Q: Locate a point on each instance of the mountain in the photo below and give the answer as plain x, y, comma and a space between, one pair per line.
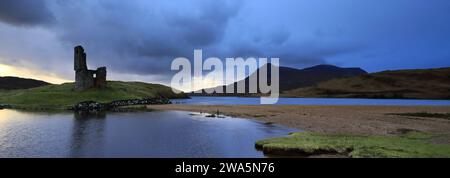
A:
291, 78
418, 83
13, 83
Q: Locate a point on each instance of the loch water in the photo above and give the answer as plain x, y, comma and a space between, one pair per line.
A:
156, 134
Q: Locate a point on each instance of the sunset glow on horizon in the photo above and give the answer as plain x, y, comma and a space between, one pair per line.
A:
7, 70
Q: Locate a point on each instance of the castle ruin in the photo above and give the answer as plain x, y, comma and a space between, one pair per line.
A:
85, 78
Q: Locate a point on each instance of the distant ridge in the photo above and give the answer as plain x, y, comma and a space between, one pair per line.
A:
291, 78
14, 83
411, 84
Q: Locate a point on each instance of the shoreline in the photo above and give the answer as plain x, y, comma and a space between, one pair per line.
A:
283, 95
362, 120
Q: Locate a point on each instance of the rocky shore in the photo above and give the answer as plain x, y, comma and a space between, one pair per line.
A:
96, 106
5, 106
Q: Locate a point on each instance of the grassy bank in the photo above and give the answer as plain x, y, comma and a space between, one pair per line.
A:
62, 96
409, 145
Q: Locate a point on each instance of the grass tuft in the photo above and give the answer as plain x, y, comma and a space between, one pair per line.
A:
410, 145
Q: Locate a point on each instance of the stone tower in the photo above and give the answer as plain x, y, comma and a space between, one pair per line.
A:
85, 78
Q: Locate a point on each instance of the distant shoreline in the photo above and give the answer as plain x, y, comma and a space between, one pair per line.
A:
288, 96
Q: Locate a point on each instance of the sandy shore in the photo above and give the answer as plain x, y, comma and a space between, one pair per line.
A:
333, 119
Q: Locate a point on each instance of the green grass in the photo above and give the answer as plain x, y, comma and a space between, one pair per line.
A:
62, 96
426, 114
409, 145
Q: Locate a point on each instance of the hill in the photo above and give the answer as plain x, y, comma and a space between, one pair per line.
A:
418, 84
291, 78
62, 96
14, 83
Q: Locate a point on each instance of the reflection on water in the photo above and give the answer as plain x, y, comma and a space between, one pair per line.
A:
132, 134
88, 128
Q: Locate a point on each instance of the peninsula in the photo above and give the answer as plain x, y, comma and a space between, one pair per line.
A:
89, 85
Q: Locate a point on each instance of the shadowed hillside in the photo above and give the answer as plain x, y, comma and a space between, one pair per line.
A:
291, 78
420, 84
13, 83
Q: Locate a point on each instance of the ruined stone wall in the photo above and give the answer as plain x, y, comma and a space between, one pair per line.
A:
84, 78
79, 59
100, 79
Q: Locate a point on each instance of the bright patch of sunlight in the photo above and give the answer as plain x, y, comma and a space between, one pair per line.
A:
7, 70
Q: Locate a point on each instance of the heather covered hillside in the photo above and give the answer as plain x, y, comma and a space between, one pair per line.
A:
418, 83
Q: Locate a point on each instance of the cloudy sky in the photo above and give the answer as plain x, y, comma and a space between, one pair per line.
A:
138, 39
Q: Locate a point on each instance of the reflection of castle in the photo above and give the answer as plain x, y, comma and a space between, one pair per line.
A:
85, 78
88, 132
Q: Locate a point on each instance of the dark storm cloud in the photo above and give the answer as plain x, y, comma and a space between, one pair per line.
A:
207, 26
140, 36
291, 52
279, 38
25, 12
143, 37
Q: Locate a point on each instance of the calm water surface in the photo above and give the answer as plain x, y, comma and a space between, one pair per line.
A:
201, 100
134, 134
152, 134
